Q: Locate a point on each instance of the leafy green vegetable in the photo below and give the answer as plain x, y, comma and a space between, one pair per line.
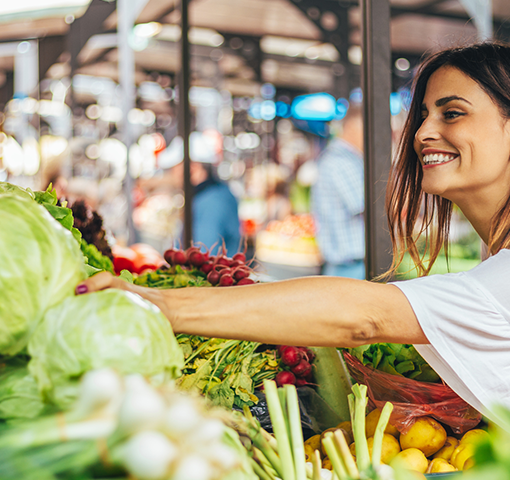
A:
49, 200
111, 328
225, 371
19, 395
95, 258
41, 265
15, 190
176, 277
396, 359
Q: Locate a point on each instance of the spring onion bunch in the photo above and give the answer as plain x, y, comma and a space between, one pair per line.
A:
282, 456
124, 424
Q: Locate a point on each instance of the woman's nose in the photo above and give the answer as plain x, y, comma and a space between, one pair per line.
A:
427, 131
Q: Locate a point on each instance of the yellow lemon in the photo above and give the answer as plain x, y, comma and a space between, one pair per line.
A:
425, 434
440, 465
411, 459
390, 447
371, 424
474, 436
446, 451
461, 454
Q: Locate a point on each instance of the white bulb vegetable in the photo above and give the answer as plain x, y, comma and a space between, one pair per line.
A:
148, 455
210, 430
182, 417
142, 409
193, 467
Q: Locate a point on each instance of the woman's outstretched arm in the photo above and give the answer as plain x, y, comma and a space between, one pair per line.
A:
312, 311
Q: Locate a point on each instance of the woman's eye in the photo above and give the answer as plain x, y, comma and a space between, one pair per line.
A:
451, 114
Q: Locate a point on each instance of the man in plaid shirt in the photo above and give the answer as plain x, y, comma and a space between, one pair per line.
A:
338, 201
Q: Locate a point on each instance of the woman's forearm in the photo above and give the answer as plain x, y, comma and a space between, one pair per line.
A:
308, 311
314, 311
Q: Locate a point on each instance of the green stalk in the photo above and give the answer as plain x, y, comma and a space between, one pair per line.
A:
348, 460
317, 465
261, 443
379, 433
334, 456
358, 427
280, 429
260, 472
296, 432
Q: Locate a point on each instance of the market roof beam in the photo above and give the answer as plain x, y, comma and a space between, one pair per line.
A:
89, 24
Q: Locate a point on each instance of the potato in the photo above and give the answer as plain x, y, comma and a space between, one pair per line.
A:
461, 454
474, 436
410, 459
390, 447
371, 423
314, 442
447, 449
440, 465
426, 434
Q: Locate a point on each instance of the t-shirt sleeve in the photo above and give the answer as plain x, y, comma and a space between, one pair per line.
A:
469, 334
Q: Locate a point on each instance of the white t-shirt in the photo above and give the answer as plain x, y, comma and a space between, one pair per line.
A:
466, 318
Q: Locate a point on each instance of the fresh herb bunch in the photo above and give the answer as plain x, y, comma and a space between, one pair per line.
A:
396, 359
226, 371
176, 277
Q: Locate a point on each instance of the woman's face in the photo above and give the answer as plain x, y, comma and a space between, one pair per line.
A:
463, 143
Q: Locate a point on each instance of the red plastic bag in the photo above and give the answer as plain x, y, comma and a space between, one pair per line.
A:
412, 399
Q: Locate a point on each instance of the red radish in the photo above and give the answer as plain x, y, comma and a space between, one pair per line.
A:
180, 258
302, 369
307, 353
169, 255
301, 382
236, 263
213, 277
239, 256
291, 356
223, 260
240, 273
281, 348
207, 267
284, 378
226, 280
196, 258
245, 281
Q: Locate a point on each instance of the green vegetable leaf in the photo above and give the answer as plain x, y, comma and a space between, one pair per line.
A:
221, 394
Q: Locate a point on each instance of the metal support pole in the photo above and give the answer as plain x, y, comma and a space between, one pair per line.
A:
185, 122
126, 18
376, 83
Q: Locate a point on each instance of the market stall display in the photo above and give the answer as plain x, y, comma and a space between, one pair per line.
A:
289, 242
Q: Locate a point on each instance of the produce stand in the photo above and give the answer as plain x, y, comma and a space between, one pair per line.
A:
95, 386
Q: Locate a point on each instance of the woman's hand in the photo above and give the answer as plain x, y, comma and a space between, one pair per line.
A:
104, 280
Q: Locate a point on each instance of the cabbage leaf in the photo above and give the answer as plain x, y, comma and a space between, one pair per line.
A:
41, 265
111, 328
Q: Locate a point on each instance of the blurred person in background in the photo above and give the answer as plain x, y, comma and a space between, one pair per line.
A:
215, 209
338, 200
278, 203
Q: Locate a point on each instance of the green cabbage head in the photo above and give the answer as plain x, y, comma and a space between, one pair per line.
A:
111, 328
40, 265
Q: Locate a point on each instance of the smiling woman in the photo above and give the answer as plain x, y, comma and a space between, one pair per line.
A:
455, 148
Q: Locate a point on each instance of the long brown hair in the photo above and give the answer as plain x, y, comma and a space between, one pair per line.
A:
487, 63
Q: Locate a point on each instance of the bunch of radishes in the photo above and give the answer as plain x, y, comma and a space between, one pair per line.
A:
297, 364
221, 270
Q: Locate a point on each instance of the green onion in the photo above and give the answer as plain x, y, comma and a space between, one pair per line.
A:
334, 456
280, 429
379, 433
348, 460
317, 465
296, 432
358, 427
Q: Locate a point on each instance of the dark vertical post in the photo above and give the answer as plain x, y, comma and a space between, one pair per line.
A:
185, 122
376, 83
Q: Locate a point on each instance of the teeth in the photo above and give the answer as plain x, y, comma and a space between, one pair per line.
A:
437, 158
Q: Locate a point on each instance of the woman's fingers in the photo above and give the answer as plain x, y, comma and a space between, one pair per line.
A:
100, 281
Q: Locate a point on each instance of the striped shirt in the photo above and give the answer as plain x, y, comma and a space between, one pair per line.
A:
338, 203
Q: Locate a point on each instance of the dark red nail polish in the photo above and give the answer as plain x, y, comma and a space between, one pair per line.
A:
80, 289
